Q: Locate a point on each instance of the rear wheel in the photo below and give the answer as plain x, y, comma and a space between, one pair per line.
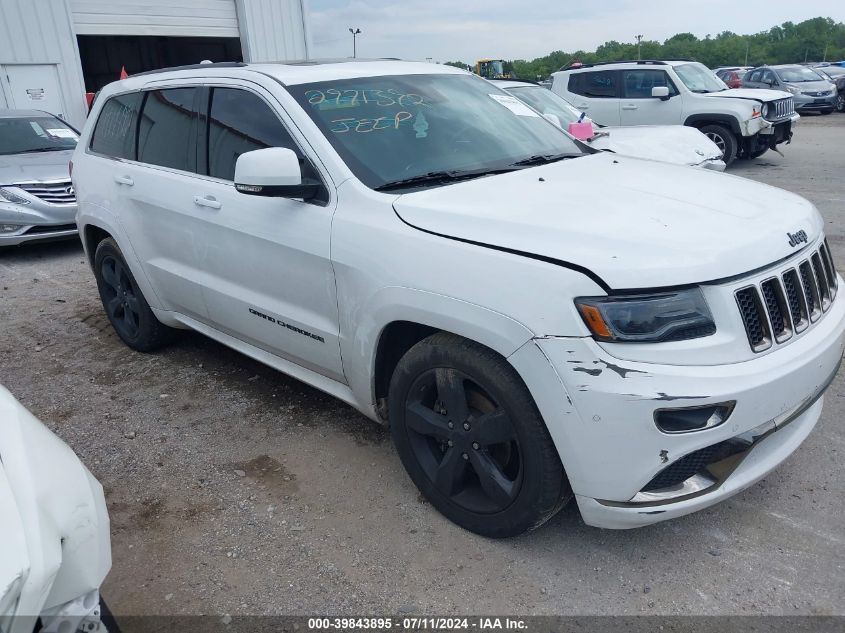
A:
724, 140
472, 439
125, 305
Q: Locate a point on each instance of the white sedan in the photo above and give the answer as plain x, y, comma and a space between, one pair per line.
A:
55, 549
676, 144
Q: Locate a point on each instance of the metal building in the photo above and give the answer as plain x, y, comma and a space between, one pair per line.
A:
54, 51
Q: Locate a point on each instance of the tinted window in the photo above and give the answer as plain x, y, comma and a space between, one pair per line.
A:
239, 122
637, 84
755, 76
166, 134
594, 84
114, 134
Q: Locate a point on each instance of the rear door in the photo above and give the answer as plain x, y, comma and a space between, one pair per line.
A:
163, 224
595, 92
267, 274
638, 107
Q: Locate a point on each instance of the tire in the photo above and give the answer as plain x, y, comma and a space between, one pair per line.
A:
840, 103
495, 471
724, 139
124, 304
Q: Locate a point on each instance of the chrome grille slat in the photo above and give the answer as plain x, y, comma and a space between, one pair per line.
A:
781, 109
780, 307
56, 192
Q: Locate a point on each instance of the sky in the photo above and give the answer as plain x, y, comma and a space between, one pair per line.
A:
467, 30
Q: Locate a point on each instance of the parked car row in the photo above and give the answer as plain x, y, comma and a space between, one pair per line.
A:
810, 90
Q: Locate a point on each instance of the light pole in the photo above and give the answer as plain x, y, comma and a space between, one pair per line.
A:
355, 32
639, 46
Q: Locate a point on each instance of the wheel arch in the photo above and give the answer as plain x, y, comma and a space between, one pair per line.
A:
700, 120
404, 317
92, 235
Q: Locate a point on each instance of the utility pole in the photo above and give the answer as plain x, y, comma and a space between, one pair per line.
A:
639, 46
824, 57
355, 32
747, 46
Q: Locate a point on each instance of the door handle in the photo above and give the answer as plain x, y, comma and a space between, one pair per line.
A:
124, 180
208, 201
630, 106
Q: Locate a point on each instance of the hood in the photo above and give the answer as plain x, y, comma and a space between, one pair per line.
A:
822, 85
668, 143
757, 94
633, 223
39, 167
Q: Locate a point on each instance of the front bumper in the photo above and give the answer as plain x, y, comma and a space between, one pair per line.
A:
37, 222
806, 103
714, 164
600, 413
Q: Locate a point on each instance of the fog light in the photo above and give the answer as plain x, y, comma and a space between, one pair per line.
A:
688, 419
9, 228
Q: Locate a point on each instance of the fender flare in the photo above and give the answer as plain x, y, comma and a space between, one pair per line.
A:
697, 120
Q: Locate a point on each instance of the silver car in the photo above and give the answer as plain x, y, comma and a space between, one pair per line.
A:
810, 91
37, 201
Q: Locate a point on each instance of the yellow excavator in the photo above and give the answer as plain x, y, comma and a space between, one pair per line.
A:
491, 69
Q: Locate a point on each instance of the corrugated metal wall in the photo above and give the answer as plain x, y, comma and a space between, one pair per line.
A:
274, 30
202, 18
41, 32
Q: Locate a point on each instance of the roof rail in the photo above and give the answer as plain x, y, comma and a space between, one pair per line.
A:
190, 67
644, 62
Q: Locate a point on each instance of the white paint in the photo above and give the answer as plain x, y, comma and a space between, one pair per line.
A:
36, 87
367, 259
200, 18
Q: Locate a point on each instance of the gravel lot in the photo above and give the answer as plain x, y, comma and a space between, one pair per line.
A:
234, 489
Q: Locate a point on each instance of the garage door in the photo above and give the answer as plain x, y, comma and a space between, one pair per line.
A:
203, 18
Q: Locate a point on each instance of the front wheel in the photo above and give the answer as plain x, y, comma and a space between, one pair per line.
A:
472, 439
724, 140
840, 103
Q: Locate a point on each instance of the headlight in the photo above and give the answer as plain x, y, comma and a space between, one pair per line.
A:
793, 90
668, 316
765, 110
14, 198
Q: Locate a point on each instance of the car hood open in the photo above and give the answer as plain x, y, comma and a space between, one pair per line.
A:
633, 223
677, 144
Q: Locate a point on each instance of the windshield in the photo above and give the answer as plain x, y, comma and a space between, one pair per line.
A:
797, 75
546, 102
699, 78
20, 135
400, 127
833, 71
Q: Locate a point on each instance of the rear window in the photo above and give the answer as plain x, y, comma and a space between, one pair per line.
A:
599, 84
167, 132
114, 135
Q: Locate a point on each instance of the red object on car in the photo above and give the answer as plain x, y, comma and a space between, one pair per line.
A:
732, 78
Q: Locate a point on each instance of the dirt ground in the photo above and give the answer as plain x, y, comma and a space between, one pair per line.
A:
235, 489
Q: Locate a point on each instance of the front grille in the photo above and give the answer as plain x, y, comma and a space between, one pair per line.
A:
50, 228
781, 109
779, 307
56, 192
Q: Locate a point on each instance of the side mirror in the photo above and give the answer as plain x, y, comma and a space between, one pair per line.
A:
660, 92
273, 172
553, 118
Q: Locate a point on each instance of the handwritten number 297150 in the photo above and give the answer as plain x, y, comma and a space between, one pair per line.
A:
384, 98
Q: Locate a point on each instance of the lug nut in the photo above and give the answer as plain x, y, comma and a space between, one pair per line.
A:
466, 426
450, 443
475, 445
451, 425
465, 456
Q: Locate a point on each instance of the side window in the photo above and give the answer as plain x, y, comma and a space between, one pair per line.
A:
769, 77
114, 135
755, 76
167, 133
637, 84
599, 84
240, 121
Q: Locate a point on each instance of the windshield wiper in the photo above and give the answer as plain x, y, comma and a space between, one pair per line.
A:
542, 159
439, 177
43, 149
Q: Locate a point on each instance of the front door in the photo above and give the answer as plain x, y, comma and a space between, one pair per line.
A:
35, 87
267, 272
638, 107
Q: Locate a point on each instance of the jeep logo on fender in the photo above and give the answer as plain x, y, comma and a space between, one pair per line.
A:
797, 238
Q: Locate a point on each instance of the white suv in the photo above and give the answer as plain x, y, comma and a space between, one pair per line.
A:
532, 317
742, 122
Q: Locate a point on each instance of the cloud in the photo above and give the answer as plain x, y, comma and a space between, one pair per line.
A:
472, 29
